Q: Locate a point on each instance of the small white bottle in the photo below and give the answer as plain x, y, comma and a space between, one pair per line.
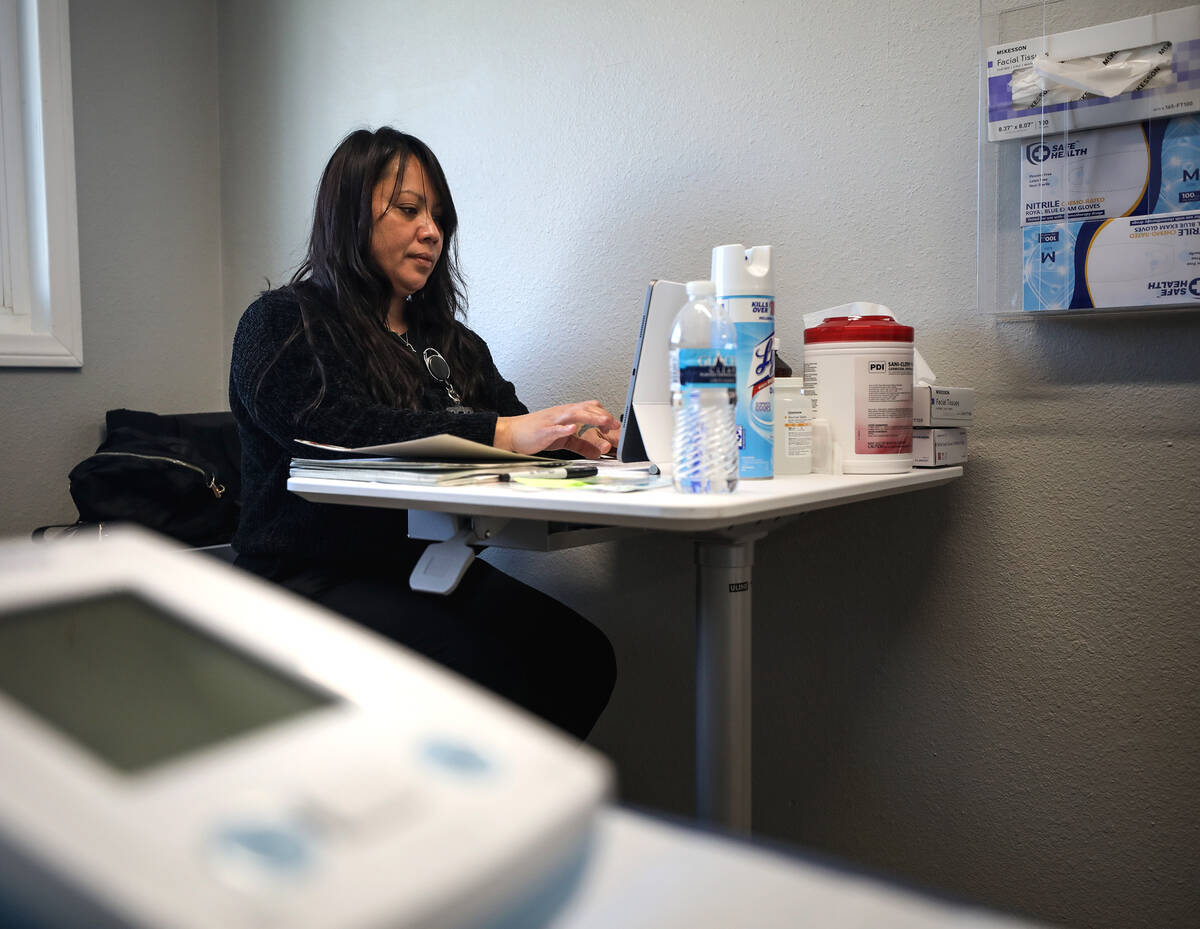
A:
704, 394
793, 426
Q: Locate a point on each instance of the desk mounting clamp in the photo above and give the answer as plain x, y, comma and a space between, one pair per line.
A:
443, 564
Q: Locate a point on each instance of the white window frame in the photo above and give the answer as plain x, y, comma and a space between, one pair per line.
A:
42, 326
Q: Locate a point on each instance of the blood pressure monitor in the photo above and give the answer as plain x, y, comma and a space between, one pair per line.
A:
187, 747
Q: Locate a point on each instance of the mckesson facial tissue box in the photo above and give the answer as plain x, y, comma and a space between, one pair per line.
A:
1132, 261
935, 405
937, 448
1135, 69
1131, 170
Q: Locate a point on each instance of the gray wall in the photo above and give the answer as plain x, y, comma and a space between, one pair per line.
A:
988, 688
146, 164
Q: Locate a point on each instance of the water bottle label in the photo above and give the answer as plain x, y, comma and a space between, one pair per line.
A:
706, 367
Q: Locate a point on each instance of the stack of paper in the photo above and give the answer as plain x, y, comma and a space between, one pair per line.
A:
405, 471
439, 459
447, 460
441, 448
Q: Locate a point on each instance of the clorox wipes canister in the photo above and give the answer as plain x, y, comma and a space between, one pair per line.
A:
745, 282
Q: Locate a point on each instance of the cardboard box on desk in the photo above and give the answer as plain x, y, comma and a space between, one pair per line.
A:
938, 448
935, 405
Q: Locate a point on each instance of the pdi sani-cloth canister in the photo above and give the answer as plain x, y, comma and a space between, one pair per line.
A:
861, 368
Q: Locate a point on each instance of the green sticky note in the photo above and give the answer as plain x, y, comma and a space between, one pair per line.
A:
551, 483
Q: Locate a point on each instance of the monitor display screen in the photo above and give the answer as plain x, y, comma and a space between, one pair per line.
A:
135, 684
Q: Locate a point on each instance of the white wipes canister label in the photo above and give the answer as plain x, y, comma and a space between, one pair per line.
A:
883, 406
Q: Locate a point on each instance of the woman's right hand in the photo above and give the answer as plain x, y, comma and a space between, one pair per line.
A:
555, 428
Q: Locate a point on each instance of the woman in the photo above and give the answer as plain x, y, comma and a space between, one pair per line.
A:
364, 346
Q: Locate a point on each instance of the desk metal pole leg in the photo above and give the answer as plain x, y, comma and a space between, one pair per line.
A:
723, 719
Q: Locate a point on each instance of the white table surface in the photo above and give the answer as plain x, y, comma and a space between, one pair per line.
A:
660, 508
646, 873
725, 527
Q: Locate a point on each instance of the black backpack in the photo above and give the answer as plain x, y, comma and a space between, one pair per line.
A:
177, 474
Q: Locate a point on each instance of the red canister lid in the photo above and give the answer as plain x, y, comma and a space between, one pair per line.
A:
858, 329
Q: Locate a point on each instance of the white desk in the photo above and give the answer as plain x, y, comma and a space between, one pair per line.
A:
725, 528
646, 873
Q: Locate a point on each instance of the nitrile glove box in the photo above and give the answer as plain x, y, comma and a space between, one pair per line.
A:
1130, 170
939, 448
1130, 261
935, 405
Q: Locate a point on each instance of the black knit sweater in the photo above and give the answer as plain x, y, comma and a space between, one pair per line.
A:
271, 415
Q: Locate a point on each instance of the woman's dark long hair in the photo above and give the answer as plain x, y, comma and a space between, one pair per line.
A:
344, 294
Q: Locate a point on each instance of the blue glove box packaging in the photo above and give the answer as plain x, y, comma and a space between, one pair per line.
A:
1130, 261
1130, 170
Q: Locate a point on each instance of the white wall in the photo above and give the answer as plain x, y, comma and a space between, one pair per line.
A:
146, 164
989, 688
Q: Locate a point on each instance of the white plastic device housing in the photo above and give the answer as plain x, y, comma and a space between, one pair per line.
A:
396, 838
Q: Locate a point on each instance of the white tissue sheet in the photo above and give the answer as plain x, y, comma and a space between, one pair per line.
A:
1142, 68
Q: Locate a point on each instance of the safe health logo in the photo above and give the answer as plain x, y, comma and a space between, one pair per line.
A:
1037, 153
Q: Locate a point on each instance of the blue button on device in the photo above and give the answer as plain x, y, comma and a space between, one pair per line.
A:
255, 855
457, 757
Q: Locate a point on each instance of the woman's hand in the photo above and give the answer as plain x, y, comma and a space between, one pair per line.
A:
568, 426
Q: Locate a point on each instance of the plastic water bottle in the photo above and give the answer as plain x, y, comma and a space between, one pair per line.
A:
704, 394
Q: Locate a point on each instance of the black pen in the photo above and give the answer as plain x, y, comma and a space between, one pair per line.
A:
571, 471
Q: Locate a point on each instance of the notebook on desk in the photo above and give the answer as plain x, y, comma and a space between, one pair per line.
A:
430, 448
647, 423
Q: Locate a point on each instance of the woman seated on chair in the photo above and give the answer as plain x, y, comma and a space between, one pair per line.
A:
365, 346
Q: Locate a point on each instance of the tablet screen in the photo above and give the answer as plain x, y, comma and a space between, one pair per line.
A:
136, 685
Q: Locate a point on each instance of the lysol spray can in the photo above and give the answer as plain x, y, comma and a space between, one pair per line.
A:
745, 282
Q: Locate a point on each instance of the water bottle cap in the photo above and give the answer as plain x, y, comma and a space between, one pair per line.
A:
701, 288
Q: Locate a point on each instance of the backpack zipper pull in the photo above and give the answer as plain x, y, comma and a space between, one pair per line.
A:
216, 488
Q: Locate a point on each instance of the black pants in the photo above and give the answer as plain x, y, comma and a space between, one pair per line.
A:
512, 639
